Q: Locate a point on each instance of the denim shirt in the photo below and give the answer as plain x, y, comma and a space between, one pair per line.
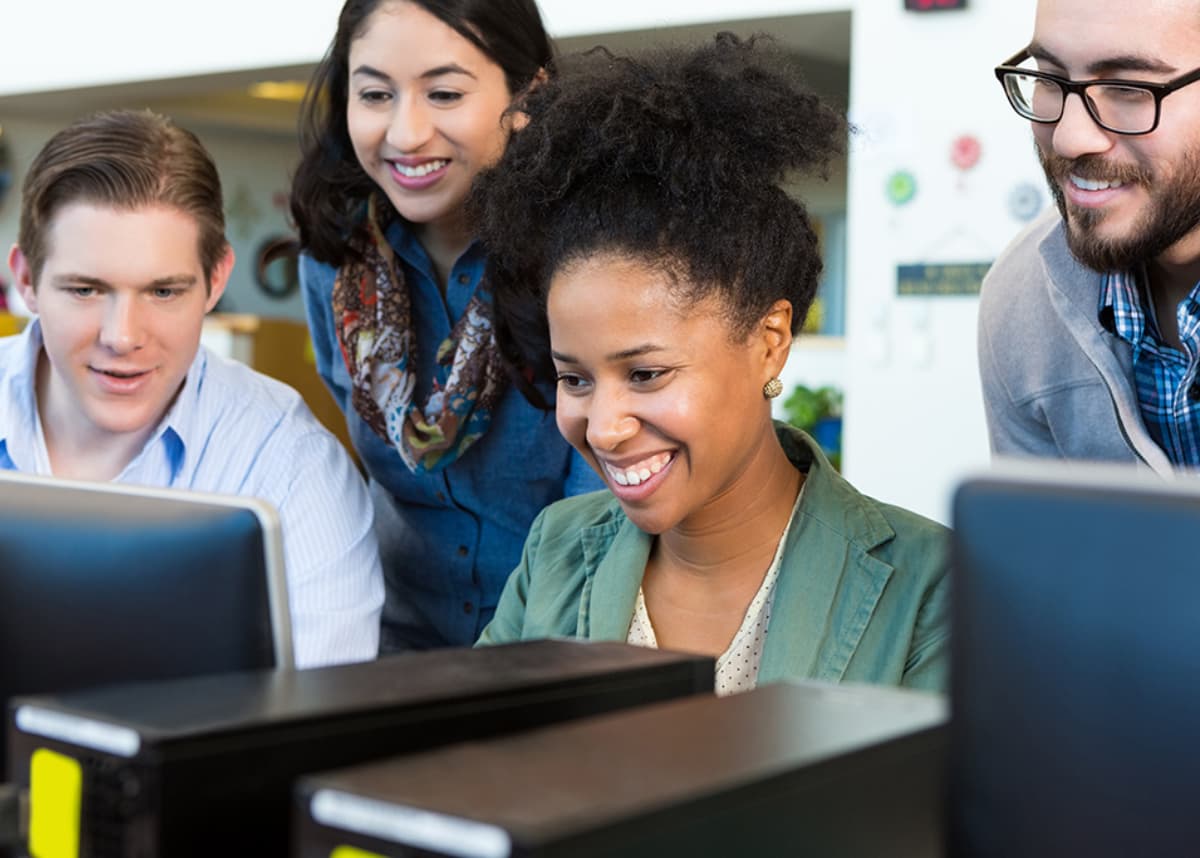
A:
449, 539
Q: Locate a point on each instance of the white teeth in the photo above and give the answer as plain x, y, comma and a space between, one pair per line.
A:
640, 472
420, 170
1093, 184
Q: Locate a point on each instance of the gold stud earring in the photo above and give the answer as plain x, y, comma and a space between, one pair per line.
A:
772, 388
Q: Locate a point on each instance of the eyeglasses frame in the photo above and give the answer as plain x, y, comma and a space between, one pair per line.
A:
1080, 87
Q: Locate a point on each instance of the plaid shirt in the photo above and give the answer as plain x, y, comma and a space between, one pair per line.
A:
1166, 379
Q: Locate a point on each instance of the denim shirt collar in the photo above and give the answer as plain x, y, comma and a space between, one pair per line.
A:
413, 254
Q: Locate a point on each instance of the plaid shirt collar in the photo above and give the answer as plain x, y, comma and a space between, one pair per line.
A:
1121, 309
1165, 378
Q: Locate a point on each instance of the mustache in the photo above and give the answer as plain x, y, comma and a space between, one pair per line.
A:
1093, 167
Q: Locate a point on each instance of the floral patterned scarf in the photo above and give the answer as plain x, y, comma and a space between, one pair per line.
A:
372, 313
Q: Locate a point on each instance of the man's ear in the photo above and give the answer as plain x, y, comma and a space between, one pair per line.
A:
23, 275
219, 278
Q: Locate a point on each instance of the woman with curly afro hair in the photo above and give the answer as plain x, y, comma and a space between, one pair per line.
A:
642, 251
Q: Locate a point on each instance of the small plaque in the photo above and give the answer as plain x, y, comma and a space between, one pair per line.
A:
933, 5
955, 278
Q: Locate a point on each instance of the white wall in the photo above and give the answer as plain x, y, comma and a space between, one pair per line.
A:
69, 43
914, 417
254, 173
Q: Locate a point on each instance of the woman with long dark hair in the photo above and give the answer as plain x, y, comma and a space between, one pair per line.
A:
408, 105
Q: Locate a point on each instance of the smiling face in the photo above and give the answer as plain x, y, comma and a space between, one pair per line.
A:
424, 112
1125, 198
656, 394
121, 299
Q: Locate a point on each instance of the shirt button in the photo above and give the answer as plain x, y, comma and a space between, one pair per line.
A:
464, 279
468, 607
462, 551
441, 496
1194, 391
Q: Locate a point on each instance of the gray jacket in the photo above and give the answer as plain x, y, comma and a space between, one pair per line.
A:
1055, 382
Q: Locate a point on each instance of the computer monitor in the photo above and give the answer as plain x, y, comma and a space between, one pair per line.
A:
1075, 689
103, 583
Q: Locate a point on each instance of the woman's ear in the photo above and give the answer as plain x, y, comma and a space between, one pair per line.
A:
518, 118
775, 330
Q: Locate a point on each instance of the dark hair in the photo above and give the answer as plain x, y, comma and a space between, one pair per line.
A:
330, 187
125, 159
675, 158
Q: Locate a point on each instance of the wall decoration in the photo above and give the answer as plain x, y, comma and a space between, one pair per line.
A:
1025, 201
965, 151
901, 187
933, 5
6, 167
815, 319
243, 211
276, 269
931, 279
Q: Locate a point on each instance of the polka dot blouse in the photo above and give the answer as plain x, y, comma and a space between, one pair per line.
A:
737, 667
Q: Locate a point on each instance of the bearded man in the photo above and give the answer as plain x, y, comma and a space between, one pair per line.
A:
1089, 325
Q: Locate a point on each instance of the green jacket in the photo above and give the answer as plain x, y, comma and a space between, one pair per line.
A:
862, 595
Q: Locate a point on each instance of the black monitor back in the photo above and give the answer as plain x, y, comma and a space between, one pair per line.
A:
102, 583
1076, 674
205, 765
786, 769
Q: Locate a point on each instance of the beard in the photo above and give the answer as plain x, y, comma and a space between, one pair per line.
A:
1172, 212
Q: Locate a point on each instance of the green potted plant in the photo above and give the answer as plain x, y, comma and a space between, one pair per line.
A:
818, 411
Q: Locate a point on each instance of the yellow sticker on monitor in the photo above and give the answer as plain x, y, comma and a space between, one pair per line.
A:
351, 852
55, 798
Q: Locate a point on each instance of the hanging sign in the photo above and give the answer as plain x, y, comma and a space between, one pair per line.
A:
932, 279
934, 5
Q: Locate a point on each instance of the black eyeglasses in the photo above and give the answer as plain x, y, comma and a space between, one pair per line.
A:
1119, 106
